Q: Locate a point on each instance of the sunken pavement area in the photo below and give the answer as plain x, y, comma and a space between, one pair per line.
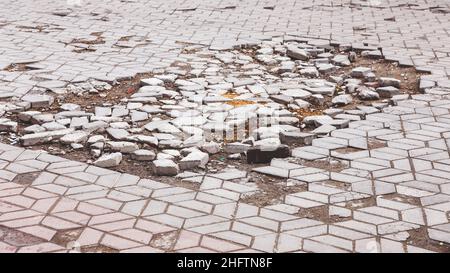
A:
224, 126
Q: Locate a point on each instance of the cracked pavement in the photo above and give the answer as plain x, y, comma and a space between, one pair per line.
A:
389, 198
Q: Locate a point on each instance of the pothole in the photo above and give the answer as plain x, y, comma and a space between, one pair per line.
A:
26, 178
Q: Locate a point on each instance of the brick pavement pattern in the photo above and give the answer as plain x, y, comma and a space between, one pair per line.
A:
385, 201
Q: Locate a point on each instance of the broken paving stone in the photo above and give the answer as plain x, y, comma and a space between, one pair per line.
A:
137, 116
118, 134
296, 138
42, 118
96, 138
324, 130
236, 147
7, 125
194, 160
122, 146
165, 167
109, 160
326, 68
257, 155
211, 147
39, 101
309, 72
333, 111
33, 129
366, 93
371, 79
384, 81
297, 53
150, 140
301, 104
316, 120
373, 54
27, 115
387, 92
103, 111
96, 126
283, 99
143, 155
119, 125
120, 111
342, 100
152, 81
78, 122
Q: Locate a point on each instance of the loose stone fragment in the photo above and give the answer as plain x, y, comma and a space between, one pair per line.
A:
342, 100
122, 146
109, 160
236, 147
75, 137
389, 82
143, 155
39, 101
8, 125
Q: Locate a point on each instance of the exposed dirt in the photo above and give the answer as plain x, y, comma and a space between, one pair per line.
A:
419, 238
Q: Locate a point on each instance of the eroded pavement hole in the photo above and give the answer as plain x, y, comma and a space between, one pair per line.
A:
210, 104
26, 178
20, 67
